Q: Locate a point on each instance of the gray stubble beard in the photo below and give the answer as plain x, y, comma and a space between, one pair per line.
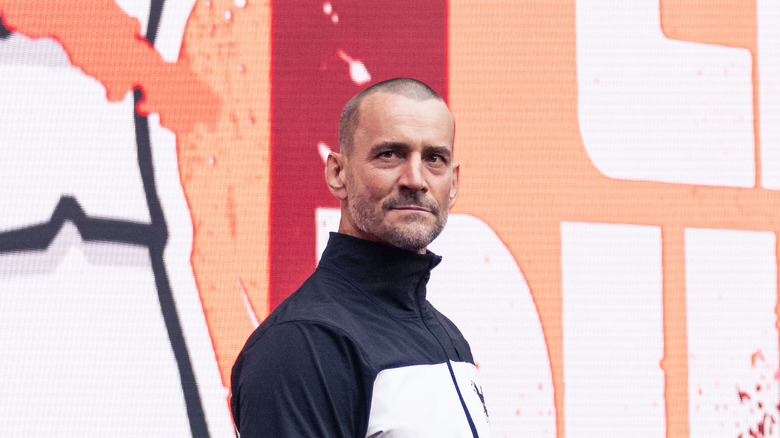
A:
413, 240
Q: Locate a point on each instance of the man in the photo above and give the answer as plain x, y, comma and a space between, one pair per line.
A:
357, 350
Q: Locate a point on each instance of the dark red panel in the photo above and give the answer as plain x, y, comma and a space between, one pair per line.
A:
311, 82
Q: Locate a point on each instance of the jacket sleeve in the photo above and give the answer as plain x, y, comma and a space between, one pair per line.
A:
301, 380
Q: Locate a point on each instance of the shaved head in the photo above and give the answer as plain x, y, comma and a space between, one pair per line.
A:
350, 115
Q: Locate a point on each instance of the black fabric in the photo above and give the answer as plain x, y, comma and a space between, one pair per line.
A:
4, 32
309, 368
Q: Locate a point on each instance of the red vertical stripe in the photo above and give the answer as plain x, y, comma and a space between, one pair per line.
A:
310, 84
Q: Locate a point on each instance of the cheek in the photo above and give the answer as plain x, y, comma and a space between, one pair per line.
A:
373, 186
442, 192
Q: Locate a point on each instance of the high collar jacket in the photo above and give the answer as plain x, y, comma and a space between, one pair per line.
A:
358, 351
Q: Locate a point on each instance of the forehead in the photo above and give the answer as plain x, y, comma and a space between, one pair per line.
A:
393, 117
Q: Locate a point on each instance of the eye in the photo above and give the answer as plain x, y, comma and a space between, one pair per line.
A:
387, 154
437, 159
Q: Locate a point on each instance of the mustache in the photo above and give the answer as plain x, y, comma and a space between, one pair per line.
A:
411, 200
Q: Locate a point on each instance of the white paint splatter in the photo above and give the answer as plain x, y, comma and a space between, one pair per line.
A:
324, 151
249, 310
357, 70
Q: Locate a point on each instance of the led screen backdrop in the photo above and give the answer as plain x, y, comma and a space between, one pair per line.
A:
612, 257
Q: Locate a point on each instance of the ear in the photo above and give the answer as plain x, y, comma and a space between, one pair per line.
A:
335, 174
455, 183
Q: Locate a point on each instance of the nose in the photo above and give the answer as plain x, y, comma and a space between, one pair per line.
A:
412, 176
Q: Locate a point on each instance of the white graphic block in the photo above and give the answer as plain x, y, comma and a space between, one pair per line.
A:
768, 15
612, 330
731, 279
655, 109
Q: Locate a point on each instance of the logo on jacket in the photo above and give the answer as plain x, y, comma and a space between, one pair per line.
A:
478, 390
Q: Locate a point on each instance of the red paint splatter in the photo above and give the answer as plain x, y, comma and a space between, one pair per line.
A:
105, 43
755, 357
765, 425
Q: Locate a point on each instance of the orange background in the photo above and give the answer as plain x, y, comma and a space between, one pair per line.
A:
512, 87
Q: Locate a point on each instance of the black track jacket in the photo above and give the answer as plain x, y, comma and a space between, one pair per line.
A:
358, 351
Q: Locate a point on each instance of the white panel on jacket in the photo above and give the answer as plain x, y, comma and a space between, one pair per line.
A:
420, 401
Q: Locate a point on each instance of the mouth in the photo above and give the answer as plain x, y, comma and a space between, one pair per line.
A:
411, 204
410, 208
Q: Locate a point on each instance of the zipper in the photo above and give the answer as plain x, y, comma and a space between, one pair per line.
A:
421, 306
462, 402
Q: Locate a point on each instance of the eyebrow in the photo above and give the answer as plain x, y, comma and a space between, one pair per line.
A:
392, 145
401, 146
441, 150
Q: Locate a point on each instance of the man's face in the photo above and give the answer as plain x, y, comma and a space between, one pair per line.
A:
400, 180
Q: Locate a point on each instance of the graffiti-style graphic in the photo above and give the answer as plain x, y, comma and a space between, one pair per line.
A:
541, 151
612, 256
88, 152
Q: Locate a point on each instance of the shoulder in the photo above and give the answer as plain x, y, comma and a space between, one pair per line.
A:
325, 309
290, 341
296, 372
329, 300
